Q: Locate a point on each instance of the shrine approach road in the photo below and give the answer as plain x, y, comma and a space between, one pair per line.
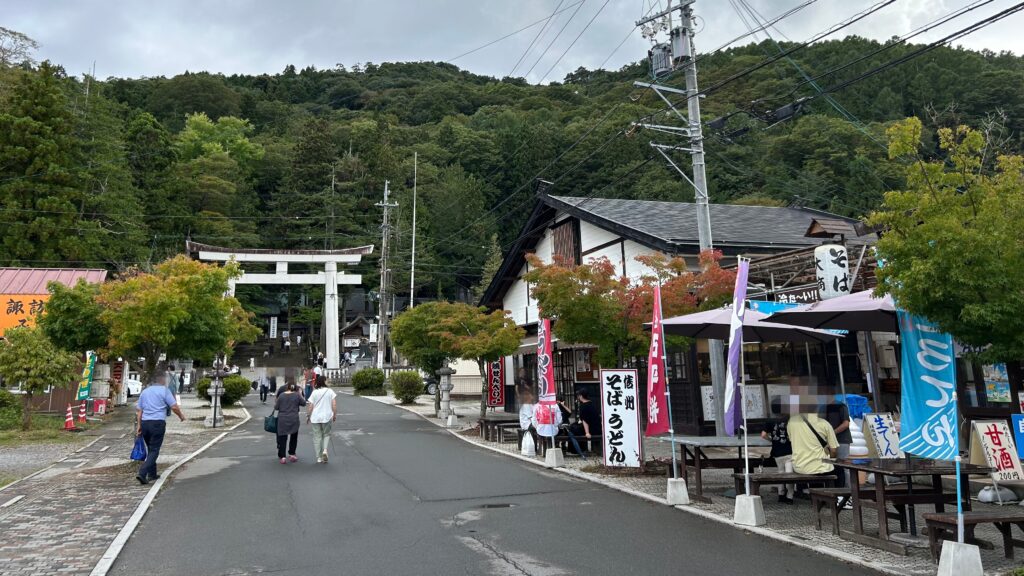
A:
401, 496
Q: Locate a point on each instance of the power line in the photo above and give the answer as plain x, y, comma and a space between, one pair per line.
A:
555, 39
573, 43
541, 33
511, 34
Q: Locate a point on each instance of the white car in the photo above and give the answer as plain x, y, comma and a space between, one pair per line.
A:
133, 387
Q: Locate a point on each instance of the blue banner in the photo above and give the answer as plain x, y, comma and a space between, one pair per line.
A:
1018, 432
928, 379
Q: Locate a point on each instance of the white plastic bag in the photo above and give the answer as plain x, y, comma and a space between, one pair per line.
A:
529, 448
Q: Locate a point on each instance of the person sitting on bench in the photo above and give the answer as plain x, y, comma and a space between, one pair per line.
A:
811, 436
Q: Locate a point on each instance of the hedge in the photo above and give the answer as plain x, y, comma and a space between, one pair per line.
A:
406, 385
369, 382
235, 388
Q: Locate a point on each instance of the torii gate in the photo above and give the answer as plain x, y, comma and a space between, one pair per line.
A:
330, 277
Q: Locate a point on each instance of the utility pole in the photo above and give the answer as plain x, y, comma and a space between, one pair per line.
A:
384, 301
668, 58
412, 269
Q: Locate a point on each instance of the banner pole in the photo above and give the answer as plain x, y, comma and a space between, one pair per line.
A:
741, 396
959, 501
668, 389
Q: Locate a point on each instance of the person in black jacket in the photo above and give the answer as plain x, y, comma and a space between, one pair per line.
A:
590, 417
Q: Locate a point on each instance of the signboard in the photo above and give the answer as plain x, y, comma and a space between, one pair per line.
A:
374, 328
85, 384
997, 383
496, 383
805, 295
20, 309
620, 419
928, 380
992, 445
832, 267
273, 327
881, 435
1018, 433
350, 342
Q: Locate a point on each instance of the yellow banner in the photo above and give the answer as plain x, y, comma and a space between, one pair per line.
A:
20, 309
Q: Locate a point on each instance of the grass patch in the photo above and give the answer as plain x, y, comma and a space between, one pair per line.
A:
46, 429
6, 479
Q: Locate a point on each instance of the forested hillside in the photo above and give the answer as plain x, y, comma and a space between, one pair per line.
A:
118, 172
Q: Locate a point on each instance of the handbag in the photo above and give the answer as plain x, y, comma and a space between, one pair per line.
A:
139, 451
270, 422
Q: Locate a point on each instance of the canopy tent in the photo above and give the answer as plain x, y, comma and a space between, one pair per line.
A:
861, 311
714, 324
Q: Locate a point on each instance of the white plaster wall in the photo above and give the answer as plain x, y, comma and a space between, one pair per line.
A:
635, 270
591, 236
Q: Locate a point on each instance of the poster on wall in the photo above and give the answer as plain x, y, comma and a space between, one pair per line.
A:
620, 419
496, 383
997, 383
753, 398
992, 445
273, 327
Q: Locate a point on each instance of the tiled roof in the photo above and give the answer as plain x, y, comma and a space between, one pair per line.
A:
675, 223
34, 280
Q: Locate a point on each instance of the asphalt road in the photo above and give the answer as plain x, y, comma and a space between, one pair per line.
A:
401, 496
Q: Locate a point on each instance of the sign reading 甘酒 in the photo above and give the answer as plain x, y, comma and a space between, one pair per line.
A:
992, 445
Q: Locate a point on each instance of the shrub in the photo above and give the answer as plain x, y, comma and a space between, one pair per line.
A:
369, 382
10, 411
235, 388
406, 385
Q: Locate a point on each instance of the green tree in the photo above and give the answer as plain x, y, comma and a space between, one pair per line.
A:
38, 200
229, 135
72, 317
490, 268
179, 309
953, 245
29, 360
188, 93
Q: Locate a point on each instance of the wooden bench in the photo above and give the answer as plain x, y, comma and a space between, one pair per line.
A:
829, 497
759, 478
942, 524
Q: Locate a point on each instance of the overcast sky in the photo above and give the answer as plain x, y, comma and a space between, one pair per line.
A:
130, 38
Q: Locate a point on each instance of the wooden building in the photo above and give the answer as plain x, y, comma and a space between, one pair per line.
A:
584, 229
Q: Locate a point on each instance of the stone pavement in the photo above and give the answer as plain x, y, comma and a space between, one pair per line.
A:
61, 520
793, 523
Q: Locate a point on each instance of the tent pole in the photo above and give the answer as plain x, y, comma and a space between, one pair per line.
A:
743, 408
869, 349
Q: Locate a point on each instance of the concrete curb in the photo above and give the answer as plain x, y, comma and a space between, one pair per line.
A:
820, 549
106, 561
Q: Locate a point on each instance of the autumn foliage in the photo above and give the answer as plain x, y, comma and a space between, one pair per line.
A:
591, 304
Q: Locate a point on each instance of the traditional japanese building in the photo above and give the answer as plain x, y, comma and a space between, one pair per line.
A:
579, 230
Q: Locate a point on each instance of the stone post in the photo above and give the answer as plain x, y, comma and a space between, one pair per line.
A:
446, 392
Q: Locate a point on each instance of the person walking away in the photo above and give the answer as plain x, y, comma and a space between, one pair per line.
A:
322, 412
309, 381
151, 411
813, 440
287, 345
782, 450
273, 385
172, 386
838, 416
264, 388
288, 405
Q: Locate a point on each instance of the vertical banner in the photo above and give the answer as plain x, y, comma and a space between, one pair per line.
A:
992, 445
273, 327
657, 413
496, 383
1018, 432
620, 419
85, 384
928, 379
832, 266
545, 363
734, 370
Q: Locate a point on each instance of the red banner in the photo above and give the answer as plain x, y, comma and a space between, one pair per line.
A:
545, 363
496, 383
657, 411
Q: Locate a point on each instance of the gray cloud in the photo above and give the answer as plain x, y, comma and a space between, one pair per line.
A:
132, 38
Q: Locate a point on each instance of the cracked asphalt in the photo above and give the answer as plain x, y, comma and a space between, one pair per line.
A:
401, 496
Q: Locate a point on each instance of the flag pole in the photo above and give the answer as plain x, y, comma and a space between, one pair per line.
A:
741, 396
959, 501
668, 390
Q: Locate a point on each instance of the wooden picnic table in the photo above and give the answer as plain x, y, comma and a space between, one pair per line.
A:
693, 454
879, 496
489, 423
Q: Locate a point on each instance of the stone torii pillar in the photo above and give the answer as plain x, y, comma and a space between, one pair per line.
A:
330, 278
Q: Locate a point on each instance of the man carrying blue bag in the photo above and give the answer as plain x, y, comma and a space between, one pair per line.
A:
155, 403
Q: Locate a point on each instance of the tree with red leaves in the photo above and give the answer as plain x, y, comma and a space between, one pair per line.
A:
590, 304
